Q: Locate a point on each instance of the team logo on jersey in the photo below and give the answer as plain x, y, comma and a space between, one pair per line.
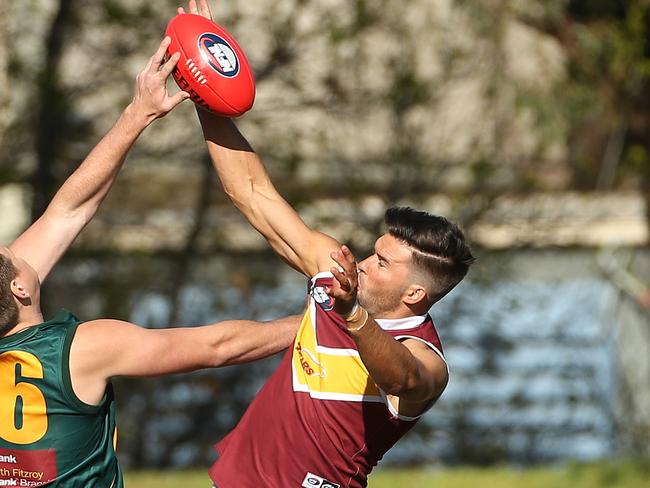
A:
218, 53
310, 365
323, 299
314, 481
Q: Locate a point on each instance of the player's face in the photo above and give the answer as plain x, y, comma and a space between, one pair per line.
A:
383, 277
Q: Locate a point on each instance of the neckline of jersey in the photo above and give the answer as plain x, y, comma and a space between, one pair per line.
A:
14, 339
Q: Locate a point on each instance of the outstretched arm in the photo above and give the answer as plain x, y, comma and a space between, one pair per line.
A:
247, 183
45, 241
104, 348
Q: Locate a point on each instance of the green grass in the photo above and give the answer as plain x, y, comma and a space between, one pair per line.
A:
601, 475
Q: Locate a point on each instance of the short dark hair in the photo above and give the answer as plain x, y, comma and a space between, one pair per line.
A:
8, 307
438, 247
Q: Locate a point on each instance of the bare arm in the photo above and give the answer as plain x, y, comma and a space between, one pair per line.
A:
247, 183
408, 370
75, 204
104, 348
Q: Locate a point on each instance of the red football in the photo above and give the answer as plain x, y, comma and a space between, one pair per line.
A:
212, 68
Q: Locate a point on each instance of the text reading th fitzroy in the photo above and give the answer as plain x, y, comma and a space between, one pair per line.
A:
17, 476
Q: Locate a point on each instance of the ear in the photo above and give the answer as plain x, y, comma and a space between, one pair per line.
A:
19, 290
414, 294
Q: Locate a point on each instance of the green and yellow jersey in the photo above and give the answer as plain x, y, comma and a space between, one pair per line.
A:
48, 436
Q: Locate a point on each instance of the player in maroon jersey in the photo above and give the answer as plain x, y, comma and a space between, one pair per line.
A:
361, 373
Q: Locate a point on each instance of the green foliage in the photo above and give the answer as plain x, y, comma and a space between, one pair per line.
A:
609, 80
408, 90
637, 157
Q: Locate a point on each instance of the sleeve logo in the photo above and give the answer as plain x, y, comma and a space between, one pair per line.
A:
313, 481
322, 298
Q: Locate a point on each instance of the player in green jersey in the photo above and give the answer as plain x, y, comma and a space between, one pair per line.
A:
57, 412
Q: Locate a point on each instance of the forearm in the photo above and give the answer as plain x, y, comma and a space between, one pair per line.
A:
241, 341
87, 187
242, 174
247, 183
74, 205
390, 364
108, 348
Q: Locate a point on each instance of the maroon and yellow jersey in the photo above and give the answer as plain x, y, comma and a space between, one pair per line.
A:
320, 420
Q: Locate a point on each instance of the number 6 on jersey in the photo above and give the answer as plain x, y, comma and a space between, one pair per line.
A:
23, 412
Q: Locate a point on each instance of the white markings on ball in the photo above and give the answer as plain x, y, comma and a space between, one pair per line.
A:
196, 72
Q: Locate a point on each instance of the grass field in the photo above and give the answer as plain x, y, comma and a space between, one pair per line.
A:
603, 475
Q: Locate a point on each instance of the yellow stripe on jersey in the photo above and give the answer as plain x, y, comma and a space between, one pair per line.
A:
329, 373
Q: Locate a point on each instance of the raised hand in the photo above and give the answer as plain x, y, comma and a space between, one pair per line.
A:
151, 98
344, 286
